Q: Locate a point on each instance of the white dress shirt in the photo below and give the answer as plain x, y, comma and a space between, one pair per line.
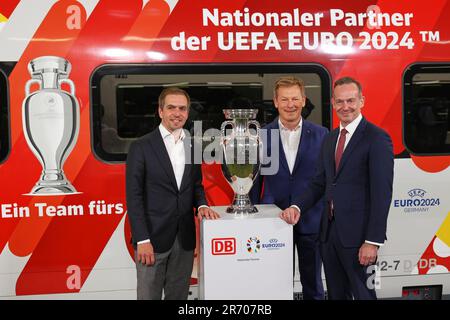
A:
175, 148
290, 140
351, 128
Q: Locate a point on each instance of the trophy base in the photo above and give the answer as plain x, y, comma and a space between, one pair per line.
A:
61, 188
241, 205
246, 210
53, 182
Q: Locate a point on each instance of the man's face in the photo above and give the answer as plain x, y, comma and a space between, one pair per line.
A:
289, 102
174, 112
347, 102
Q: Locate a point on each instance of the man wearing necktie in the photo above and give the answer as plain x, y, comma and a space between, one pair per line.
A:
355, 174
163, 187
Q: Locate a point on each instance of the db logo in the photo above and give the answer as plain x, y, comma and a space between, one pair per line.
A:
222, 246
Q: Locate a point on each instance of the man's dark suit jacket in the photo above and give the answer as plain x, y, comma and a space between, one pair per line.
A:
281, 188
156, 208
361, 189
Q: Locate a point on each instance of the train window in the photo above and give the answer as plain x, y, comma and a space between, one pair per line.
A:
4, 122
125, 97
426, 108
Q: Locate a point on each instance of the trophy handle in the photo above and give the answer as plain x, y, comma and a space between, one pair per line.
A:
224, 124
258, 128
70, 83
29, 83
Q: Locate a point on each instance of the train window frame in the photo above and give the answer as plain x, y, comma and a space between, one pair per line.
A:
5, 136
193, 69
408, 100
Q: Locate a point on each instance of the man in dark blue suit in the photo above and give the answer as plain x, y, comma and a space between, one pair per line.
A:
355, 174
295, 145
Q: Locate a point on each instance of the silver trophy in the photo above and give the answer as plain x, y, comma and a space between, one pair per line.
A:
51, 121
241, 156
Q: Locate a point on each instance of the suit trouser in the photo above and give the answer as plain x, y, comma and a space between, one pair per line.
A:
346, 278
309, 265
171, 272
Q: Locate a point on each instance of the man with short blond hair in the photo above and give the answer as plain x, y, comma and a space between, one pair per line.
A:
299, 149
289, 81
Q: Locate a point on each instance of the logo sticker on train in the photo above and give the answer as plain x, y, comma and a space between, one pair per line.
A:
418, 201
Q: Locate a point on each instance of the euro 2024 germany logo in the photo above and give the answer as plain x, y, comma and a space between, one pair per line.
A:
253, 244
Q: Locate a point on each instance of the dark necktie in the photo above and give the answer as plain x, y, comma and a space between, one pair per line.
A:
338, 156
340, 148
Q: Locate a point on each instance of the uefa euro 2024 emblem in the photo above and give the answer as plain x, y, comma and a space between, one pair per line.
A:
253, 244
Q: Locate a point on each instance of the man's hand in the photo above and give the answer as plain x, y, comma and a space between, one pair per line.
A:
368, 254
291, 215
145, 253
207, 213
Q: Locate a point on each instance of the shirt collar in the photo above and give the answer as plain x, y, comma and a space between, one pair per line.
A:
282, 127
166, 133
351, 127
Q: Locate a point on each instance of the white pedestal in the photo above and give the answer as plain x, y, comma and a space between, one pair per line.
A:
246, 256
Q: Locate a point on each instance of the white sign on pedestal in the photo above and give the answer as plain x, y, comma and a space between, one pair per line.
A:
246, 256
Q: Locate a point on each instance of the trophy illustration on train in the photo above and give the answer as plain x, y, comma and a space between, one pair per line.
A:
51, 122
